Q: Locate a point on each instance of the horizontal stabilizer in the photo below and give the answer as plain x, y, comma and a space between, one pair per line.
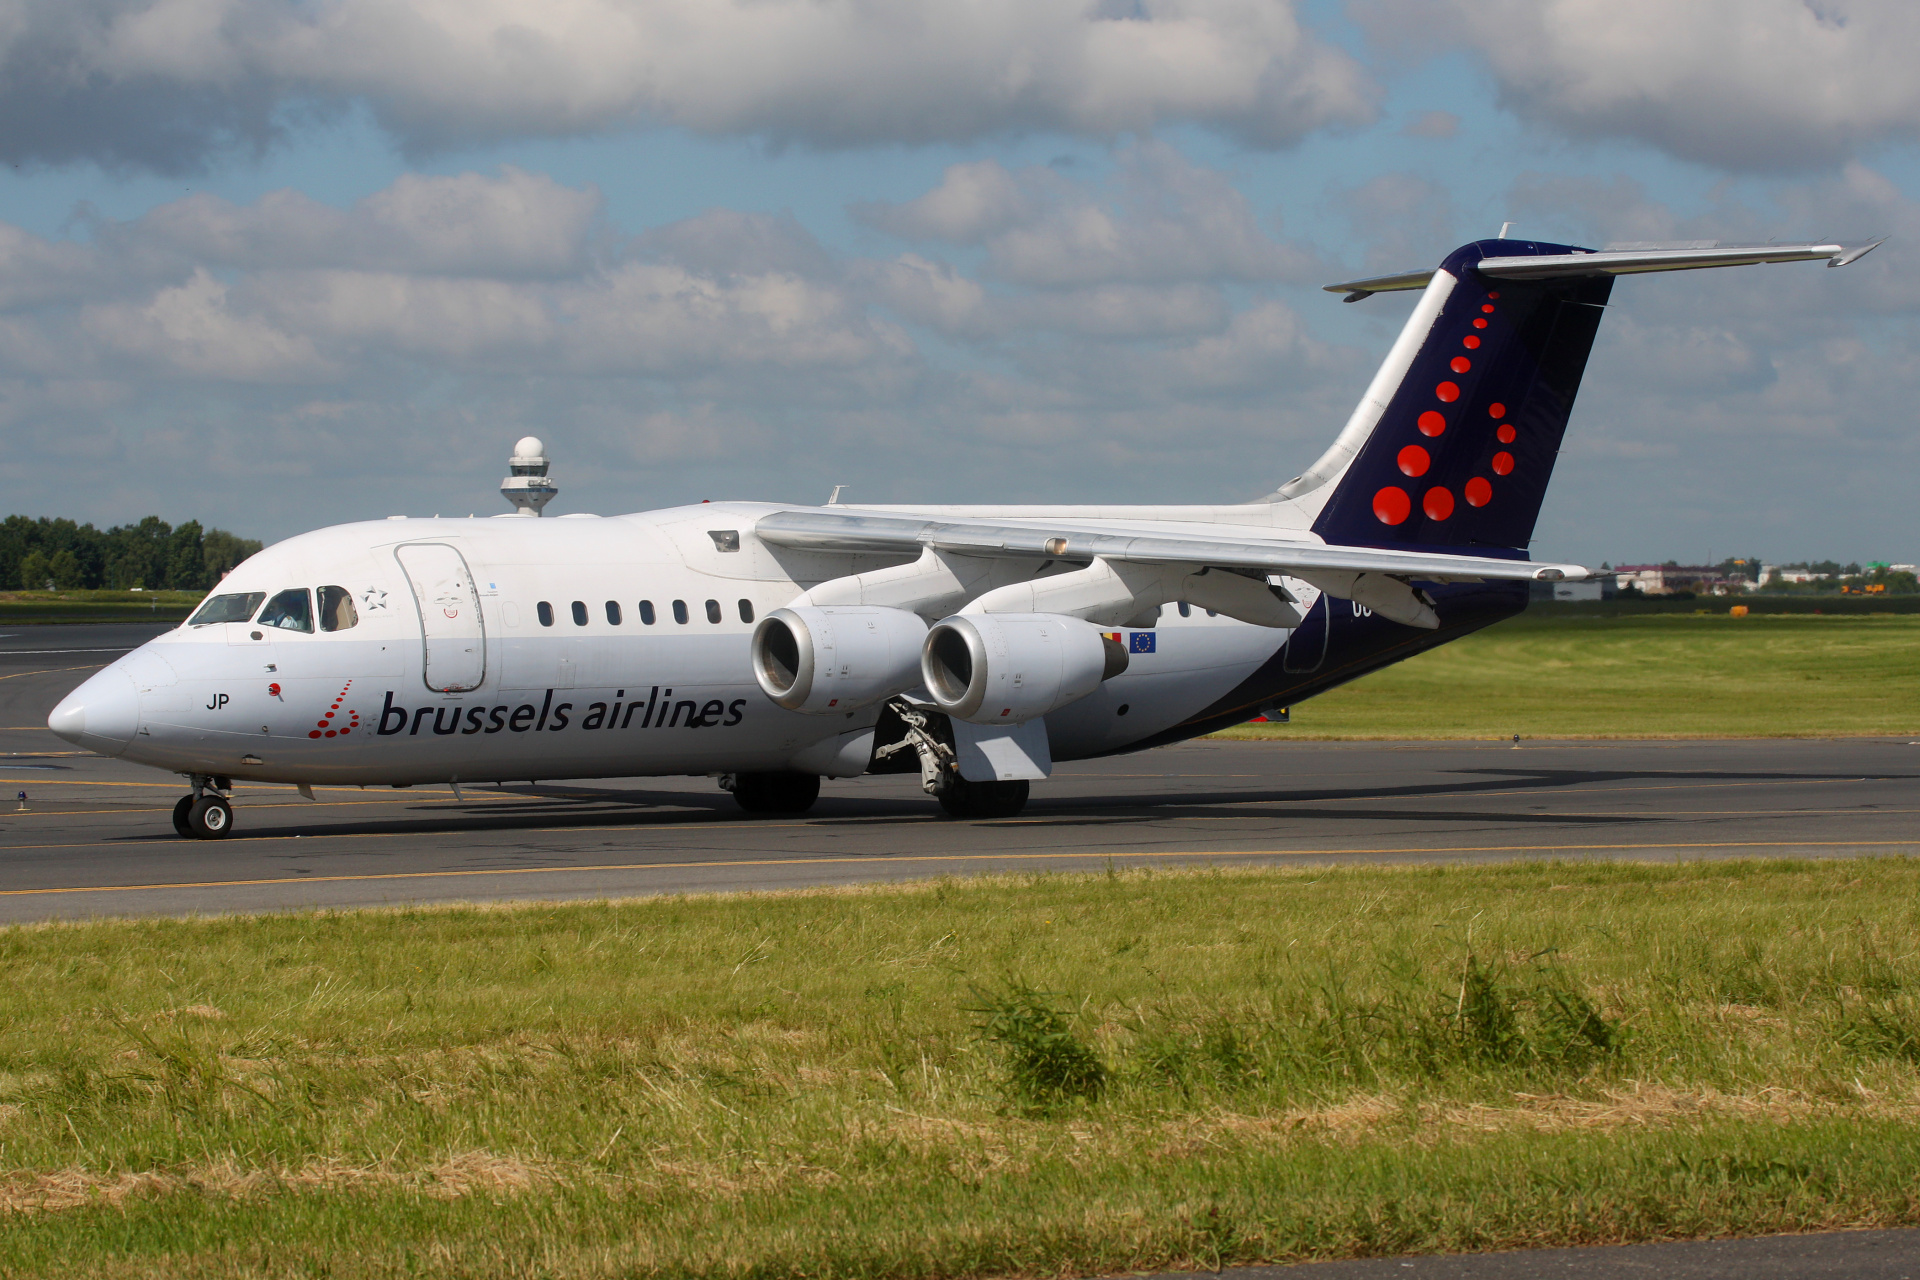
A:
1620, 260
849, 530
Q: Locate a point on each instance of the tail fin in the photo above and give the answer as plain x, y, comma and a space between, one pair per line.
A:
1462, 450
1455, 440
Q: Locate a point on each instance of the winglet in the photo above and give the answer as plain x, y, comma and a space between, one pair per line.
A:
1854, 255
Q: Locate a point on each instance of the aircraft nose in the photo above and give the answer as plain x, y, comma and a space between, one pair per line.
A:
101, 715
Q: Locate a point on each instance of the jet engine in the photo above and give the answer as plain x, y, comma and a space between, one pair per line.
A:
835, 660
1007, 668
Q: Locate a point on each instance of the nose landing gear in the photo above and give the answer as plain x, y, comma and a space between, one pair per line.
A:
204, 814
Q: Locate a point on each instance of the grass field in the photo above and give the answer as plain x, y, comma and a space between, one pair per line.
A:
1045, 1076
18, 607
1653, 676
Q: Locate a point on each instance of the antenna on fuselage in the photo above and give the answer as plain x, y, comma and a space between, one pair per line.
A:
527, 486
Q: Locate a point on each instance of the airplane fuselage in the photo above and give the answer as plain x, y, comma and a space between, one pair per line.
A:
604, 647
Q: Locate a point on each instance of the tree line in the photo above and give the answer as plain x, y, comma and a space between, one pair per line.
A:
153, 555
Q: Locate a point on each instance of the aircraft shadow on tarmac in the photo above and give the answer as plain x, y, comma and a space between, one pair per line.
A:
566, 807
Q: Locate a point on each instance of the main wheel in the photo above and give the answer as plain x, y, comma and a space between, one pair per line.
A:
963, 799
180, 815
210, 818
776, 792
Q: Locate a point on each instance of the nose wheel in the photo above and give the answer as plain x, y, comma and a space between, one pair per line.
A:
204, 814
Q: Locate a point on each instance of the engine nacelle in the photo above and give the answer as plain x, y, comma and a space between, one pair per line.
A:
835, 660
1007, 668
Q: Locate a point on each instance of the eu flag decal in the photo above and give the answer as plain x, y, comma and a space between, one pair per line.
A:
1141, 642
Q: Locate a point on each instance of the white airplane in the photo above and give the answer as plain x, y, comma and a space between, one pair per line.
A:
769, 645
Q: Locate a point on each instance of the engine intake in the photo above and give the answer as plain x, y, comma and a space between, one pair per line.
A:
1007, 668
835, 660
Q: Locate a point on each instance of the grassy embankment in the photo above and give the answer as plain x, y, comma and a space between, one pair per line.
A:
1649, 676
26, 607
1238, 1066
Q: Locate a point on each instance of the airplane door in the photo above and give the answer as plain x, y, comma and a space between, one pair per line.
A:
456, 641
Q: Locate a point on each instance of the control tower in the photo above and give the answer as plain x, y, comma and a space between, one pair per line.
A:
527, 487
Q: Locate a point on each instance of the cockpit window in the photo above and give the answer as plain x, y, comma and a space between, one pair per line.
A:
291, 610
235, 607
336, 609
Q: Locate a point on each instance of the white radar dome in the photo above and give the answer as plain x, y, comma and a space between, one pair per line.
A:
527, 485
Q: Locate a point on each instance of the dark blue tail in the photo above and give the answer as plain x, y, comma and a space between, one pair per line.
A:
1462, 453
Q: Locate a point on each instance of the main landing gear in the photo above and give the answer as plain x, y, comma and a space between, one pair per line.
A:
929, 736
204, 814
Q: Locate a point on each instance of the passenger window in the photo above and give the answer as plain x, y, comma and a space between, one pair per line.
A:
1186, 610
646, 612
545, 611
746, 611
579, 613
713, 611
613, 612
336, 609
291, 610
236, 607
680, 612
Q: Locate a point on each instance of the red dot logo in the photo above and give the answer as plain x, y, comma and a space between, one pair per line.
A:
1438, 503
1493, 293
1480, 324
1479, 492
1471, 342
1431, 423
1506, 433
1414, 460
313, 733
1461, 364
1392, 505
1487, 307
1503, 463
1448, 392
1496, 410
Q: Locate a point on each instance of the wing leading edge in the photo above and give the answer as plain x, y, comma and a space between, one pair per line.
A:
815, 530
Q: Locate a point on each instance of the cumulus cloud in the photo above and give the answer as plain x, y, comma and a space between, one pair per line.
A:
514, 224
1160, 219
1742, 84
167, 84
288, 363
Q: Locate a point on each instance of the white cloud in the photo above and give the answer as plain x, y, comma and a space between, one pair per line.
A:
167, 83
1742, 84
1161, 219
288, 364
512, 224
190, 330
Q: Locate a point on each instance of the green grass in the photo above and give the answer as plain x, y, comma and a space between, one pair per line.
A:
18, 607
1050, 1075
1655, 676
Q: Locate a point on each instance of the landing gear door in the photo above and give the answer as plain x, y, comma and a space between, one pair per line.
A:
455, 638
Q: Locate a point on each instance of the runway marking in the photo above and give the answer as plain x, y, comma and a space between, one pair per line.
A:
891, 860
40, 653
50, 671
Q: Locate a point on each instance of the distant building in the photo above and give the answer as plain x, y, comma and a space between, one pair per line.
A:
1800, 575
1665, 579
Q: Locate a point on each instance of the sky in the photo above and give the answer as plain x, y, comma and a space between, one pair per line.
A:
280, 265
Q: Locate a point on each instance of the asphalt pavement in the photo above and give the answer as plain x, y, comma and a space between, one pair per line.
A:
95, 836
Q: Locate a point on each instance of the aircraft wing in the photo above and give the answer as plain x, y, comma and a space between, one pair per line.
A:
1620, 260
816, 530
